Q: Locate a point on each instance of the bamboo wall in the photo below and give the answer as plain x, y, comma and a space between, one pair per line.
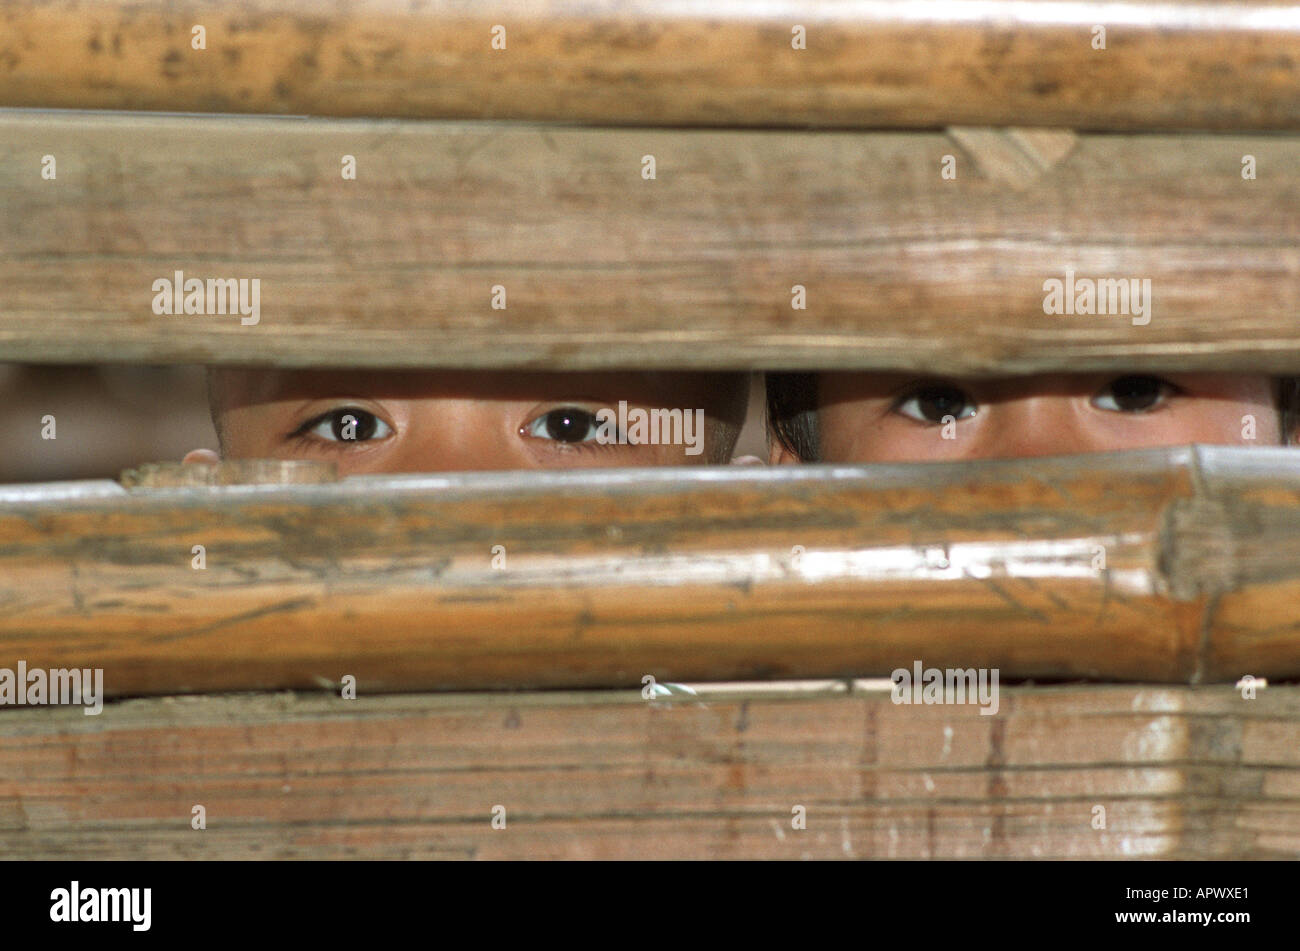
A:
1148, 582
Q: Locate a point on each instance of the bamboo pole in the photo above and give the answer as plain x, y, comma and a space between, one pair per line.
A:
1177, 566
1127, 64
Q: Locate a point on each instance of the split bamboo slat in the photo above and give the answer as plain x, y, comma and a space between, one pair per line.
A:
1093, 772
600, 268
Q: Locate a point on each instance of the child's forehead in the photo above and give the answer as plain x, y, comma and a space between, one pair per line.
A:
1245, 386
234, 387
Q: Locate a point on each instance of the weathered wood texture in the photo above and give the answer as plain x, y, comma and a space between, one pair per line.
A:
1180, 773
602, 268
176, 475
1175, 565
924, 63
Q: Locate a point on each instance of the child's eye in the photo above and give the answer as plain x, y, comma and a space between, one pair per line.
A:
931, 403
1133, 394
348, 424
567, 424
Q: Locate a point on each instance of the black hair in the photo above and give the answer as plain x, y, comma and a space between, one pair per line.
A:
1288, 407
792, 413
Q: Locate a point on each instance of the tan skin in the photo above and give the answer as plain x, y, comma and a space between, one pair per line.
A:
435, 421
875, 417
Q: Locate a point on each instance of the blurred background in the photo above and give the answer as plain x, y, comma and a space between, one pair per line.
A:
109, 418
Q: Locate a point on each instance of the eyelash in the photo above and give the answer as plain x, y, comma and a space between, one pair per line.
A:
1167, 392
587, 445
302, 436
915, 391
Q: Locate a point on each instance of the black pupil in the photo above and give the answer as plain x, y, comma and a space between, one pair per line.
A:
936, 402
1133, 393
364, 429
568, 425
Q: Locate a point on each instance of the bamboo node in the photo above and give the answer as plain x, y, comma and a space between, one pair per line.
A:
1198, 553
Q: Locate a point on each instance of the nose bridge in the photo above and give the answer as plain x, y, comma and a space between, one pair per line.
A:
1036, 425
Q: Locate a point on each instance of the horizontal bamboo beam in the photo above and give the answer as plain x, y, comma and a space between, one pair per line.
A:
598, 267
1195, 64
1178, 565
1097, 772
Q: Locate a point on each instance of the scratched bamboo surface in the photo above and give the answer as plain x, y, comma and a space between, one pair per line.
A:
1179, 565
604, 269
925, 63
1181, 772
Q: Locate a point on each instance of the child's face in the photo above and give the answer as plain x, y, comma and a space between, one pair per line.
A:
430, 421
870, 417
